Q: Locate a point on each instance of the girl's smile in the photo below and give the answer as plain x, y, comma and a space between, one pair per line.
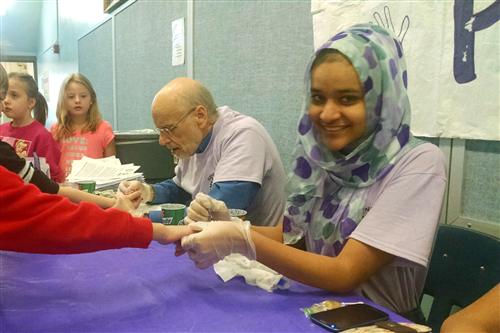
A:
337, 106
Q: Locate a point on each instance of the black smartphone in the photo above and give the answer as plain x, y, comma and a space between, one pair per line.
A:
348, 316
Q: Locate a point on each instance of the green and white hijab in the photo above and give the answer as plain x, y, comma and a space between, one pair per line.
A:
327, 190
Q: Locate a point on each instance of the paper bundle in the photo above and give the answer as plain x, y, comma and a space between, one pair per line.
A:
106, 172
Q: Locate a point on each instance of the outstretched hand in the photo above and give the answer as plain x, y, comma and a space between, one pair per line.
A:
170, 234
127, 203
139, 191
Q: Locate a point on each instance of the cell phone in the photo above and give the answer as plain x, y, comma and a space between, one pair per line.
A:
348, 316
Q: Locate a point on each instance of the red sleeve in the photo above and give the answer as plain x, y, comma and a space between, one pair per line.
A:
32, 221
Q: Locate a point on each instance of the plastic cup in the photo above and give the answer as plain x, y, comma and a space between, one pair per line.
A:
87, 186
239, 213
173, 213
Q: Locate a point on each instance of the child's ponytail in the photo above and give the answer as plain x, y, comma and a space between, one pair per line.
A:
4, 80
41, 109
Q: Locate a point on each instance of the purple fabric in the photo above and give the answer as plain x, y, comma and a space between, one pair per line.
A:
133, 290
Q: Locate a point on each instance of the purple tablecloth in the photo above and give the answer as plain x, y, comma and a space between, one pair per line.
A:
132, 290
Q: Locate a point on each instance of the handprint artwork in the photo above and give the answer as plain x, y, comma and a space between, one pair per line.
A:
386, 22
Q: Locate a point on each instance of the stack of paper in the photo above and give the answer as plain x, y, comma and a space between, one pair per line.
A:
106, 172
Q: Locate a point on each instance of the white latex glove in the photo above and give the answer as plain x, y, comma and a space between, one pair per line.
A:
206, 208
132, 186
212, 241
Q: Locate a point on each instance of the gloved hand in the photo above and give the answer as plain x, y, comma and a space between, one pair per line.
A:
212, 241
206, 208
130, 187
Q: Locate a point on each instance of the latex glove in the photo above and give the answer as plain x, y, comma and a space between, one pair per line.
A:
206, 208
169, 234
126, 203
132, 187
215, 240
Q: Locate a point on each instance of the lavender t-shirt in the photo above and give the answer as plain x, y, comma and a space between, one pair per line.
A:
401, 215
402, 220
240, 149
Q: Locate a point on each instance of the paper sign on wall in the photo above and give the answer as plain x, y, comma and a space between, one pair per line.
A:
178, 42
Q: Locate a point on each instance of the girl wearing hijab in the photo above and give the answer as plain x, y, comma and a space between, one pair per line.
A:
364, 195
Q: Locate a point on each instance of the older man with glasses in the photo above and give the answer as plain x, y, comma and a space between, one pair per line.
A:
221, 152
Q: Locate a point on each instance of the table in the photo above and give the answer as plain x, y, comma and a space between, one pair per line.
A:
143, 290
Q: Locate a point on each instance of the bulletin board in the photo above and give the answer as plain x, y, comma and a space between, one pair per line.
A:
95, 61
143, 57
252, 55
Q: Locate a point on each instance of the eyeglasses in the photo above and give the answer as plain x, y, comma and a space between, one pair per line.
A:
168, 130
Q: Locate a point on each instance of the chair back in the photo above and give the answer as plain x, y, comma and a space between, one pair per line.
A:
465, 264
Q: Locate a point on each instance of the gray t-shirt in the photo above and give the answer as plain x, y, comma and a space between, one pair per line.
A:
240, 149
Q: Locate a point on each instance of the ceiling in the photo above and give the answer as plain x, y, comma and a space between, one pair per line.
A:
19, 28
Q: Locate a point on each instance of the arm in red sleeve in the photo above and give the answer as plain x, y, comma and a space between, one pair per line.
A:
31, 221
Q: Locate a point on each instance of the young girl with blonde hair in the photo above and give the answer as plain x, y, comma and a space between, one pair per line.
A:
26, 132
80, 129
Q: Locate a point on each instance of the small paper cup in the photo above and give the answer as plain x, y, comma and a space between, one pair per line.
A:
173, 213
87, 186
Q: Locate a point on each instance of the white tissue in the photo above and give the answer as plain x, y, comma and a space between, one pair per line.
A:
255, 273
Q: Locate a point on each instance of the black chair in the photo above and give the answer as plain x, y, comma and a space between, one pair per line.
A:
465, 264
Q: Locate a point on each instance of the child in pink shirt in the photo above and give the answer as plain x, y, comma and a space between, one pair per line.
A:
26, 133
80, 129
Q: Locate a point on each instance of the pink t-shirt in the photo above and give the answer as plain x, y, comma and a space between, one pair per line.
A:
90, 144
34, 138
